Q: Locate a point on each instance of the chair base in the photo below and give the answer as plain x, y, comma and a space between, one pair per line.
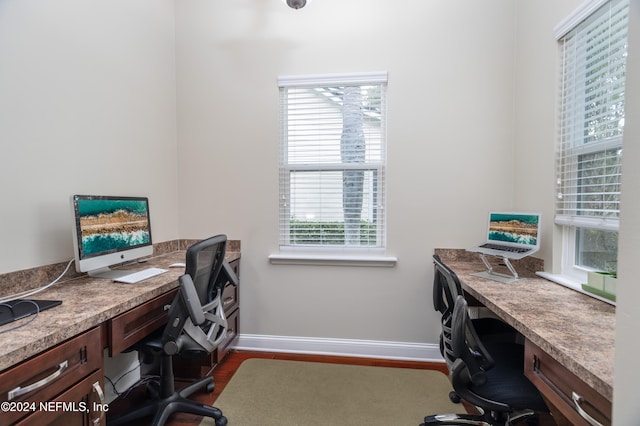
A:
481, 420
455, 419
175, 403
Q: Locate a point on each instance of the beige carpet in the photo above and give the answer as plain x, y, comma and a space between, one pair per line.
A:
268, 392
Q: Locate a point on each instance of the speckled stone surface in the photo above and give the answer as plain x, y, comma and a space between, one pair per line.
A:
86, 302
575, 329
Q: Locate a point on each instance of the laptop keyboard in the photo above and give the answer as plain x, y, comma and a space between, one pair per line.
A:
505, 248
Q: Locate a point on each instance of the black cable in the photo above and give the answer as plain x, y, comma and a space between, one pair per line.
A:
141, 381
32, 316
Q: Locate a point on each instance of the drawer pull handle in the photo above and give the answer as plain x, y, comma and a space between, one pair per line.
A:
14, 393
98, 389
577, 401
227, 301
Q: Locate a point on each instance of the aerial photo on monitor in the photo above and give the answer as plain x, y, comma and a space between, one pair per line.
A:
108, 225
514, 228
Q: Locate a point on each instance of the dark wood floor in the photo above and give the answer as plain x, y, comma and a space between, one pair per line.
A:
225, 370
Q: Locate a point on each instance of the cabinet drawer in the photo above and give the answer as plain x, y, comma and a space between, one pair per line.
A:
232, 334
137, 323
230, 298
47, 375
561, 387
82, 404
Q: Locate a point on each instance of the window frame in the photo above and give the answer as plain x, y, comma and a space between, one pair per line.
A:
570, 224
331, 254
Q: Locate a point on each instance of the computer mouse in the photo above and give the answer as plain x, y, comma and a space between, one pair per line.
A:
177, 265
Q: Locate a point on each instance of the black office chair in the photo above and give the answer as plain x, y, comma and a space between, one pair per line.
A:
489, 376
446, 288
196, 327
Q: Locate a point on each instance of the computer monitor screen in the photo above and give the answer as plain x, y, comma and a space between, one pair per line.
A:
109, 230
516, 228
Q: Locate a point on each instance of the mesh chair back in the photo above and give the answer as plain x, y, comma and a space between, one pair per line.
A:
446, 286
204, 262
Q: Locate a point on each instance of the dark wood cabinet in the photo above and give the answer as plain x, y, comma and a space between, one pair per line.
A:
572, 399
81, 405
137, 323
63, 384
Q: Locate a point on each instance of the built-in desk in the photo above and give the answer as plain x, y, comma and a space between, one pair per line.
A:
568, 335
67, 341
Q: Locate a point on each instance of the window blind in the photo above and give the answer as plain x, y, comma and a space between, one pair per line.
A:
332, 160
591, 118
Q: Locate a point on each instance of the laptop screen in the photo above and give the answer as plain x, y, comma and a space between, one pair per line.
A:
521, 229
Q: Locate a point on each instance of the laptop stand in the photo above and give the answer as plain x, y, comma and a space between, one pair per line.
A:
497, 276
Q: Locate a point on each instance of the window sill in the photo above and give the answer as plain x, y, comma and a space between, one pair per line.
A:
572, 284
326, 259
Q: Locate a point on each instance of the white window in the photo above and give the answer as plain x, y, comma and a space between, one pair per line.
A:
332, 161
593, 48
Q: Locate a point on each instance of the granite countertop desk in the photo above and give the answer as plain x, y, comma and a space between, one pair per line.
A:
86, 303
576, 330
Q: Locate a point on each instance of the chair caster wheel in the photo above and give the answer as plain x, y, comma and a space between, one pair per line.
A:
210, 387
454, 397
222, 421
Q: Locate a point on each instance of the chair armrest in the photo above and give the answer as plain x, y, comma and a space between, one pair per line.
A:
191, 300
230, 275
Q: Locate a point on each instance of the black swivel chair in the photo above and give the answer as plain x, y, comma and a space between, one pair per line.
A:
446, 288
489, 376
196, 327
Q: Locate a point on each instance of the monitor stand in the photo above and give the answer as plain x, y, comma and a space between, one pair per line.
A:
108, 273
496, 276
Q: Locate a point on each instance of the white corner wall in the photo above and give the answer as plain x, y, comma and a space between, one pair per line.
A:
177, 100
626, 376
536, 82
87, 105
450, 146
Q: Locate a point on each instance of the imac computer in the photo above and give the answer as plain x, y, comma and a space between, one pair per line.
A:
110, 231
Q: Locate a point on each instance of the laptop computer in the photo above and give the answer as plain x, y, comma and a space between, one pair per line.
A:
511, 235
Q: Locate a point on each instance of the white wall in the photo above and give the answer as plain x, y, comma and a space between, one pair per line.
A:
536, 70
87, 105
627, 377
88, 86
450, 114
536, 76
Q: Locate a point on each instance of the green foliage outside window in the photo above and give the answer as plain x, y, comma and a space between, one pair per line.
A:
303, 232
597, 249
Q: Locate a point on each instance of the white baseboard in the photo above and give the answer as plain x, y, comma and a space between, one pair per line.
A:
341, 347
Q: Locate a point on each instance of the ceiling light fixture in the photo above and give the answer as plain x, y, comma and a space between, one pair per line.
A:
296, 4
